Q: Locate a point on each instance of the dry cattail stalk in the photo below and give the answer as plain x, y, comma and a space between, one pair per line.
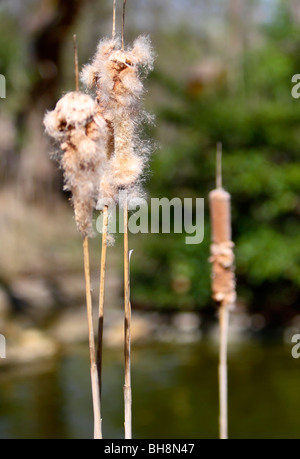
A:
93, 363
76, 64
223, 372
127, 333
114, 19
102, 296
123, 22
223, 280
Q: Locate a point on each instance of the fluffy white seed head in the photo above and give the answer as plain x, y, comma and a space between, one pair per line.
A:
117, 75
74, 109
81, 132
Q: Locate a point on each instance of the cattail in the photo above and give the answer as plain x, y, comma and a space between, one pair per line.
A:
116, 74
93, 76
101, 154
81, 133
223, 279
222, 257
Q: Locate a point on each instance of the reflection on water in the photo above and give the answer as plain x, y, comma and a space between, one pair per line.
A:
175, 394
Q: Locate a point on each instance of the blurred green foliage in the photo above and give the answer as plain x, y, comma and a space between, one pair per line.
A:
258, 123
13, 63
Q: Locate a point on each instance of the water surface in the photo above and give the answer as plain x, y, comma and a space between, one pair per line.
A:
175, 394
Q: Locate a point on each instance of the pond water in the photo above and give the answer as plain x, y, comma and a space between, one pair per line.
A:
175, 394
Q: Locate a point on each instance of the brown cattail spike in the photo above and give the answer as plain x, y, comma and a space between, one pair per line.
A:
220, 206
222, 257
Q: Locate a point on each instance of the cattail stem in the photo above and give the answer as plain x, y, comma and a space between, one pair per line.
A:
101, 297
114, 20
123, 22
76, 65
127, 334
223, 377
219, 166
94, 371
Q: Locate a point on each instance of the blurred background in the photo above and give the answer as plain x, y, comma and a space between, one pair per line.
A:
223, 73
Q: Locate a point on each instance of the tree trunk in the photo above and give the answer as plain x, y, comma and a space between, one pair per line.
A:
49, 27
